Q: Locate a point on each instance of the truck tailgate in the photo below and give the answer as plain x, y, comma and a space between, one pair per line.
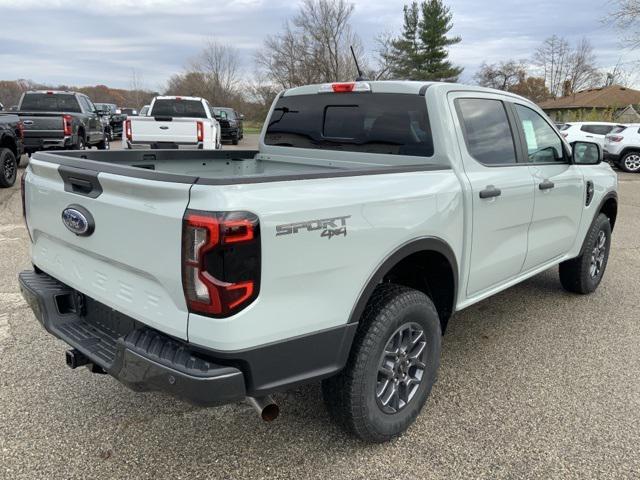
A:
132, 260
47, 125
175, 130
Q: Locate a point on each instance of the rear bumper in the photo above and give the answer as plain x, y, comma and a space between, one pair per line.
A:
140, 357
34, 144
229, 133
164, 146
145, 359
611, 157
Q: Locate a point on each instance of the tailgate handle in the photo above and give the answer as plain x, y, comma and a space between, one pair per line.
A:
80, 182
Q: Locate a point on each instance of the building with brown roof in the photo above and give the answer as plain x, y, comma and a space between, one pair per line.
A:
605, 103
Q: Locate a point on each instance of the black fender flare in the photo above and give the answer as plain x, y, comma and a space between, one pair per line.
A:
605, 199
434, 244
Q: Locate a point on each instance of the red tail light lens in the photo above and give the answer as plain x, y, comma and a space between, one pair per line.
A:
220, 261
127, 129
615, 138
200, 131
21, 129
66, 125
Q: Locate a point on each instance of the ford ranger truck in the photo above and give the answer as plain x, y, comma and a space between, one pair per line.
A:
174, 123
338, 251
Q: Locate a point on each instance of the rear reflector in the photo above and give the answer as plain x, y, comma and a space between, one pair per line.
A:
344, 87
220, 261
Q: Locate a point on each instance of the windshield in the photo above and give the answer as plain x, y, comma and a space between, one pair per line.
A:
178, 108
106, 107
386, 123
50, 102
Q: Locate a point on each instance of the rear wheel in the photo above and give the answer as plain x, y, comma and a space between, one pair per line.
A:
235, 139
391, 368
8, 168
80, 143
104, 144
631, 162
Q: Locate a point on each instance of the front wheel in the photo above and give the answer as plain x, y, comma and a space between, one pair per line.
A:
584, 273
8, 168
631, 162
391, 368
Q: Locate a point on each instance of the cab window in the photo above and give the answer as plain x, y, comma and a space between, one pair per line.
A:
543, 144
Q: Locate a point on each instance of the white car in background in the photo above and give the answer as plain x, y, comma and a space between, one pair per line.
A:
622, 147
587, 131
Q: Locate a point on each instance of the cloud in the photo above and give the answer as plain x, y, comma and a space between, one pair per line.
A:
79, 43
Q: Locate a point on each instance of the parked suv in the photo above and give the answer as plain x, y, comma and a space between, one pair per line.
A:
587, 131
60, 120
338, 251
622, 147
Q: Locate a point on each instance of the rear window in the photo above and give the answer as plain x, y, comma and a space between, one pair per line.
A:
178, 109
618, 129
386, 123
565, 126
50, 102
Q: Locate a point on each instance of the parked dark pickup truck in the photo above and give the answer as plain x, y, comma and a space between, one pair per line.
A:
115, 119
60, 120
230, 123
11, 148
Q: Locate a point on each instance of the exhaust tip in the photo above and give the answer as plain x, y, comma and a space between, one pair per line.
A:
265, 407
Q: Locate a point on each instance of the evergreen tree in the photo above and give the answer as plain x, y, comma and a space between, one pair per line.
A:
421, 53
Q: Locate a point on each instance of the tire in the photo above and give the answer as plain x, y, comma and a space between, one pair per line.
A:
104, 144
630, 162
80, 143
584, 273
8, 168
235, 139
360, 397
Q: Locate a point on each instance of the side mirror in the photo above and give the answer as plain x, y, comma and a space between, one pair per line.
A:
586, 153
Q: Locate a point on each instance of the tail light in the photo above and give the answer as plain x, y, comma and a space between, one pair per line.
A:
564, 135
220, 261
614, 138
127, 129
200, 131
66, 125
21, 129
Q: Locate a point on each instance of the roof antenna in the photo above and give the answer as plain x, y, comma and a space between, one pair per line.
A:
360, 75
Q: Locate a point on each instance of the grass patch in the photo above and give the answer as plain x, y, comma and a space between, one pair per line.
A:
252, 127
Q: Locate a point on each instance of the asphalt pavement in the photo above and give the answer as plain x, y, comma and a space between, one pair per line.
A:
534, 383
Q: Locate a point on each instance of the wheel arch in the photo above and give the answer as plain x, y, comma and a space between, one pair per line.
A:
7, 141
609, 206
417, 264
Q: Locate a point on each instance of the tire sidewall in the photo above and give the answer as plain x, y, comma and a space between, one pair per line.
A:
387, 425
601, 223
7, 155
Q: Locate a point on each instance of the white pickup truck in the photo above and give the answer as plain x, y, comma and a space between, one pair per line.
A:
174, 122
370, 214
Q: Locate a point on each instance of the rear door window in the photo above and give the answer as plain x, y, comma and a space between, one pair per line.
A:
50, 102
486, 130
385, 123
178, 108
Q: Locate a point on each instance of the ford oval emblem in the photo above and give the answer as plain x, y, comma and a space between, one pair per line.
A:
78, 220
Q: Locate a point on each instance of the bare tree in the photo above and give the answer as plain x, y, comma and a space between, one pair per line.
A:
313, 47
219, 65
503, 75
566, 70
137, 88
626, 16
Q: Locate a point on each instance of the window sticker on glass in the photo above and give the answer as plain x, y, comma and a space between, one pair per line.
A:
530, 134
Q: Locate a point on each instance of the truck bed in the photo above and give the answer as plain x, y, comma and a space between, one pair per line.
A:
216, 167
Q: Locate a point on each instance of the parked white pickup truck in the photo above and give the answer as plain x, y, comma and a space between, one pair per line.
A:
174, 123
339, 250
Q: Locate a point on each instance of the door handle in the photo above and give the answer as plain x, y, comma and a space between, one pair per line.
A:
490, 192
546, 185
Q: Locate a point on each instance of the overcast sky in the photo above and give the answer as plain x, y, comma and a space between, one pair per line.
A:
96, 42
